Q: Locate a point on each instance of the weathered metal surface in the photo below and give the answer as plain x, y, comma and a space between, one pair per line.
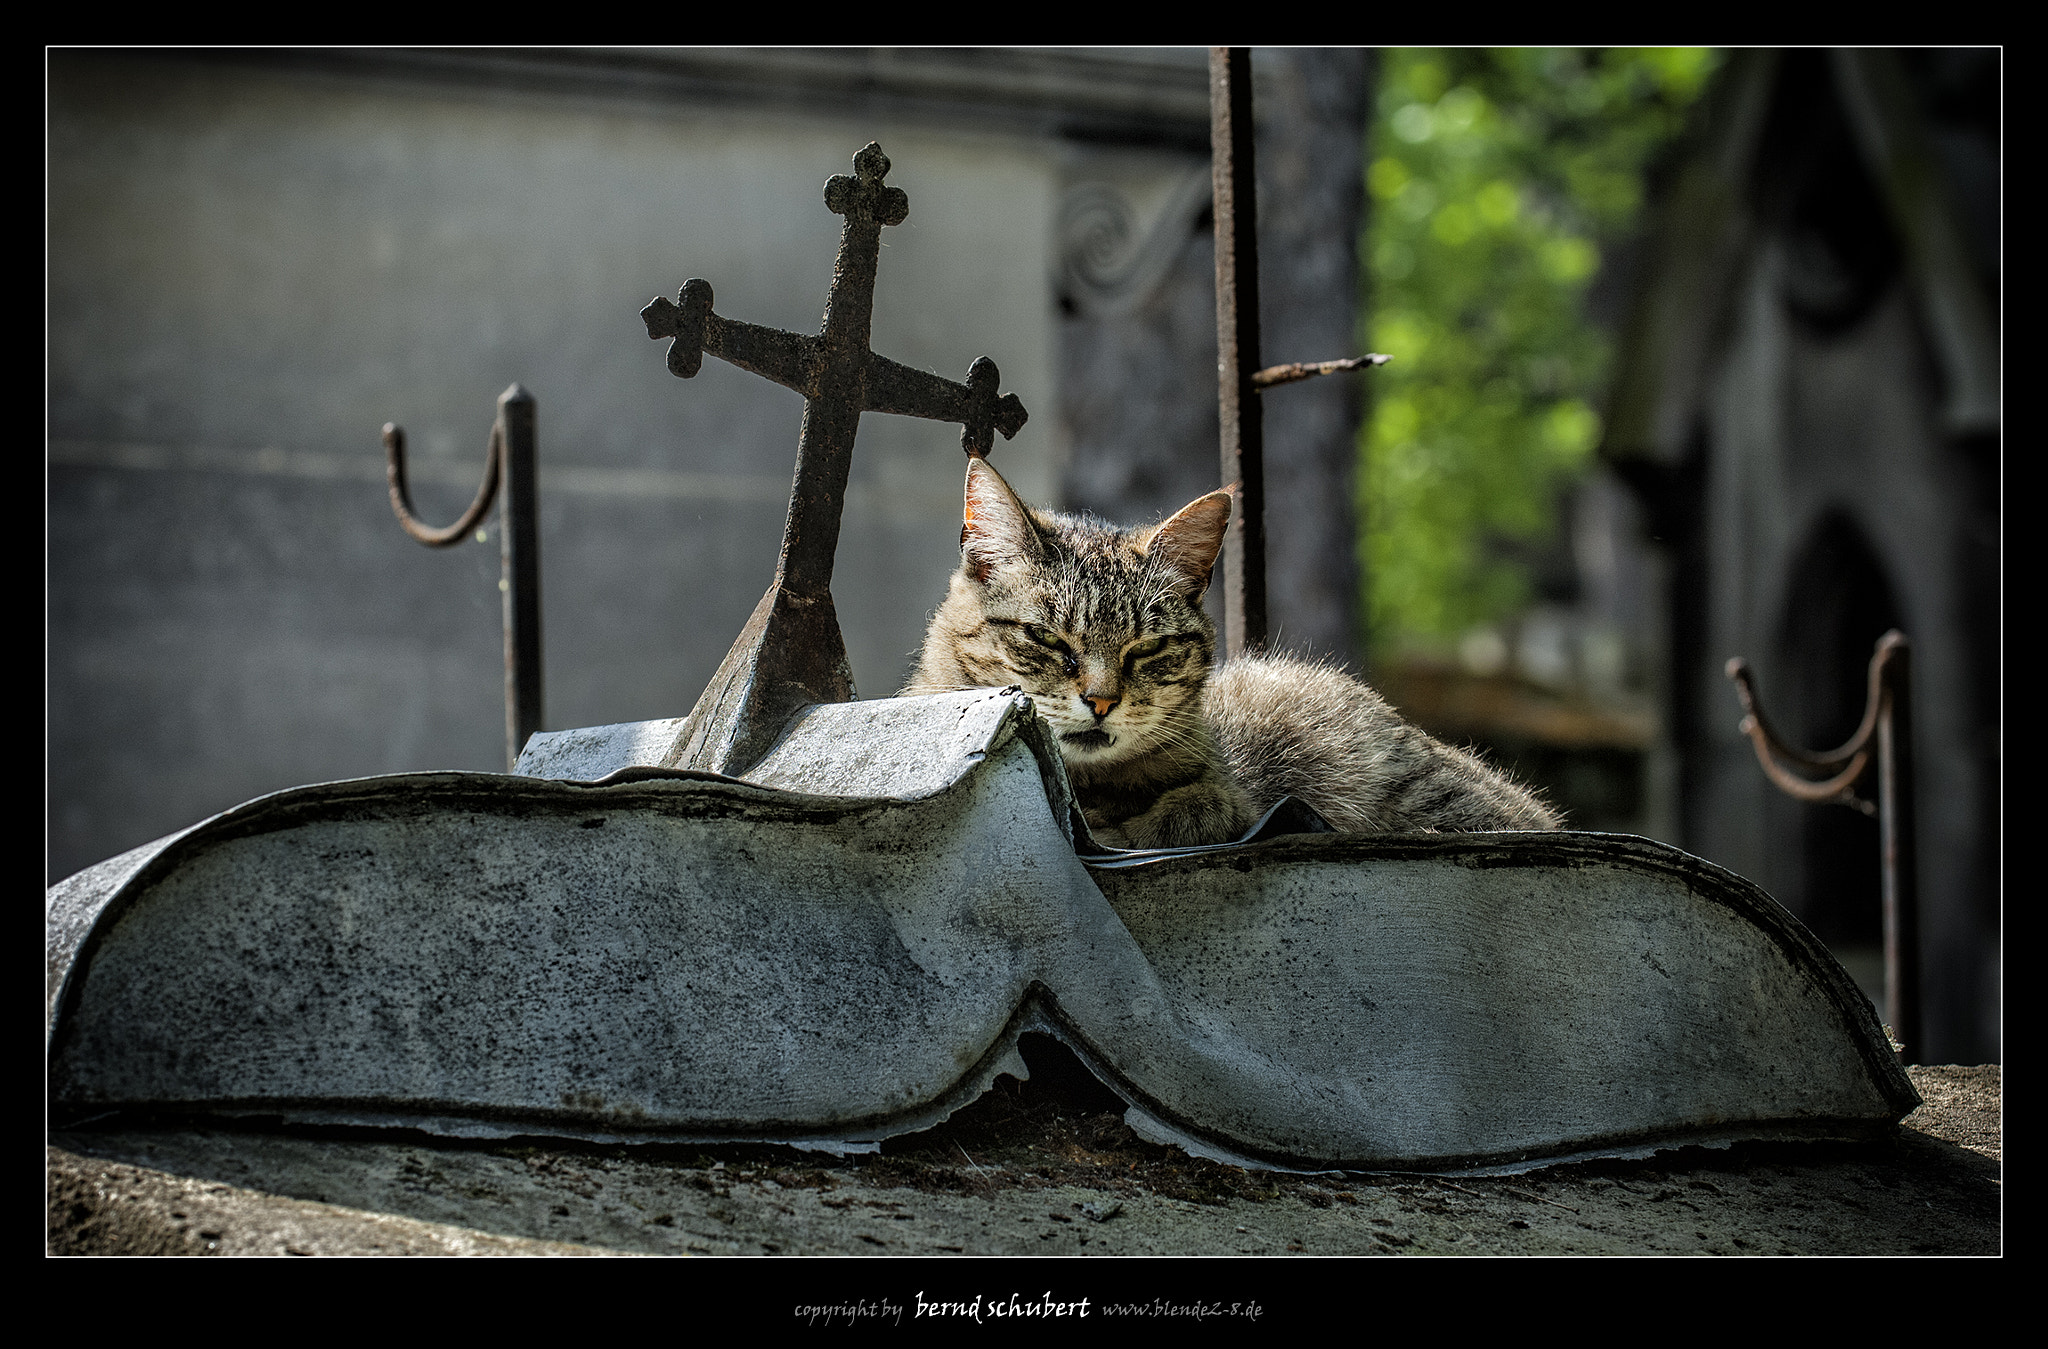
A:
519, 550
1887, 720
790, 653
510, 464
902, 748
1237, 346
672, 955
1470, 995
591, 752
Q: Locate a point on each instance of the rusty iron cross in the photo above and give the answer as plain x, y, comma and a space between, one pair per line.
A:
791, 654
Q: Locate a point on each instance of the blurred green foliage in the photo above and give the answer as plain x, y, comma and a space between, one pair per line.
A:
1496, 177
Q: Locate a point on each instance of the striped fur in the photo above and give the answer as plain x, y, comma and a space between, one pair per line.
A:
1104, 628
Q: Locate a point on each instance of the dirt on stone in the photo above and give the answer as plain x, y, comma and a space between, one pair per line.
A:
1045, 1167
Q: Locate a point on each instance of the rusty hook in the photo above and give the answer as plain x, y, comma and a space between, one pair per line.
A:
1885, 736
1855, 752
401, 497
1839, 789
510, 474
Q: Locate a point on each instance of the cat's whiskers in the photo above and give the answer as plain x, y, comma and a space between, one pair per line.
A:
1185, 753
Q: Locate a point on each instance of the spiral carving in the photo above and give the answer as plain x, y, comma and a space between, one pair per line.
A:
1110, 259
1098, 236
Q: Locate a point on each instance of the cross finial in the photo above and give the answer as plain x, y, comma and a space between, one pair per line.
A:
683, 320
864, 193
987, 413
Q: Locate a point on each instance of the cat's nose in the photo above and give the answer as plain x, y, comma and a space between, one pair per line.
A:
1100, 704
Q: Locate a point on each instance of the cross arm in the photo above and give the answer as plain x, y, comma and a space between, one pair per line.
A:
976, 405
790, 359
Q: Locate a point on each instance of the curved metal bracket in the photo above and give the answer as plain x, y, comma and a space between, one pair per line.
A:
1855, 752
1838, 790
401, 495
1886, 735
510, 465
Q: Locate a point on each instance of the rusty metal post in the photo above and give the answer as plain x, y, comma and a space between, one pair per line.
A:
1237, 345
1239, 378
1886, 729
519, 571
791, 653
511, 476
1897, 835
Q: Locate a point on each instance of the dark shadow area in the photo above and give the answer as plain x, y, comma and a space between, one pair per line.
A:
1831, 221
1838, 604
1028, 1160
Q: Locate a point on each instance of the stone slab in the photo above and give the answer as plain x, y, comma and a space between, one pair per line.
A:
665, 956
1012, 1178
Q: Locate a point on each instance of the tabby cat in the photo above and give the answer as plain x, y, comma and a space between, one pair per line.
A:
1104, 628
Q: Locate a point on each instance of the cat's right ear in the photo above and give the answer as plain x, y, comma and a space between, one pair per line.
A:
996, 529
1188, 544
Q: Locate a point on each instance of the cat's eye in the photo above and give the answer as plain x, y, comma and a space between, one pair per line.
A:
1151, 646
1043, 636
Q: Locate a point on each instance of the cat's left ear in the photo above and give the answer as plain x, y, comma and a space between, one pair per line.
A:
996, 529
1187, 544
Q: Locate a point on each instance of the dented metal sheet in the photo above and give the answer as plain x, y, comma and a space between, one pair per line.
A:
659, 955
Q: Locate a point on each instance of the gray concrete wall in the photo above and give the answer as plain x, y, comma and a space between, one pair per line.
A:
258, 258
254, 264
